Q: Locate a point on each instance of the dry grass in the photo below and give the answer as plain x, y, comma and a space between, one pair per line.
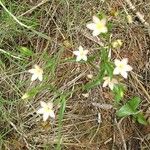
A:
62, 24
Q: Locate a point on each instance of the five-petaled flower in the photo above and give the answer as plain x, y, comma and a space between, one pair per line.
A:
46, 110
122, 67
37, 73
110, 82
81, 54
98, 26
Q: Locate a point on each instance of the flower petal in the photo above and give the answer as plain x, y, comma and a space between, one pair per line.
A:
104, 30
84, 58
96, 19
124, 61
43, 104
91, 26
45, 116
36, 67
128, 68
40, 77
40, 111
52, 114
105, 83
124, 74
103, 21
31, 70
96, 32
34, 77
80, 48
76, 53
117, 62
50, 105
78, 58
116, 71
111, 86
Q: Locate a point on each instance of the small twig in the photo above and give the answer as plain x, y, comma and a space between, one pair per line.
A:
94, 134
3, 51
121, 134
142, 87
102, 106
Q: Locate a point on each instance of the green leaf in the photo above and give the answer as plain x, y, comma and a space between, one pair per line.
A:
110, 26
104, 55
101, 15
125, 110
32, 92
92, 84
141, 119
129, 108
134, 103
109, 69
25, 51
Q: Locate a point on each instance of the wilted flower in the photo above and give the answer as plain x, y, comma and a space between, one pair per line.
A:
86, 95
37, 73
109, 82
129, 19
25, 96
46, 110
81, 54
89, 76
122, 67
117, 43
98, 26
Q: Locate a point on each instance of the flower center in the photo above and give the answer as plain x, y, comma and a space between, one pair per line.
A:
99, 26
81, 53
38, 71
47, 109
121, 66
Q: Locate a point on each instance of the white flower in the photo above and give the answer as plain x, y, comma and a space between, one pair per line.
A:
98, 26
109, 82
46, 110
37, 73
122, 67
81, 54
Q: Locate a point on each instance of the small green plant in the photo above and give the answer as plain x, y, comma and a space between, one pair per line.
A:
109, 71
131, 109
